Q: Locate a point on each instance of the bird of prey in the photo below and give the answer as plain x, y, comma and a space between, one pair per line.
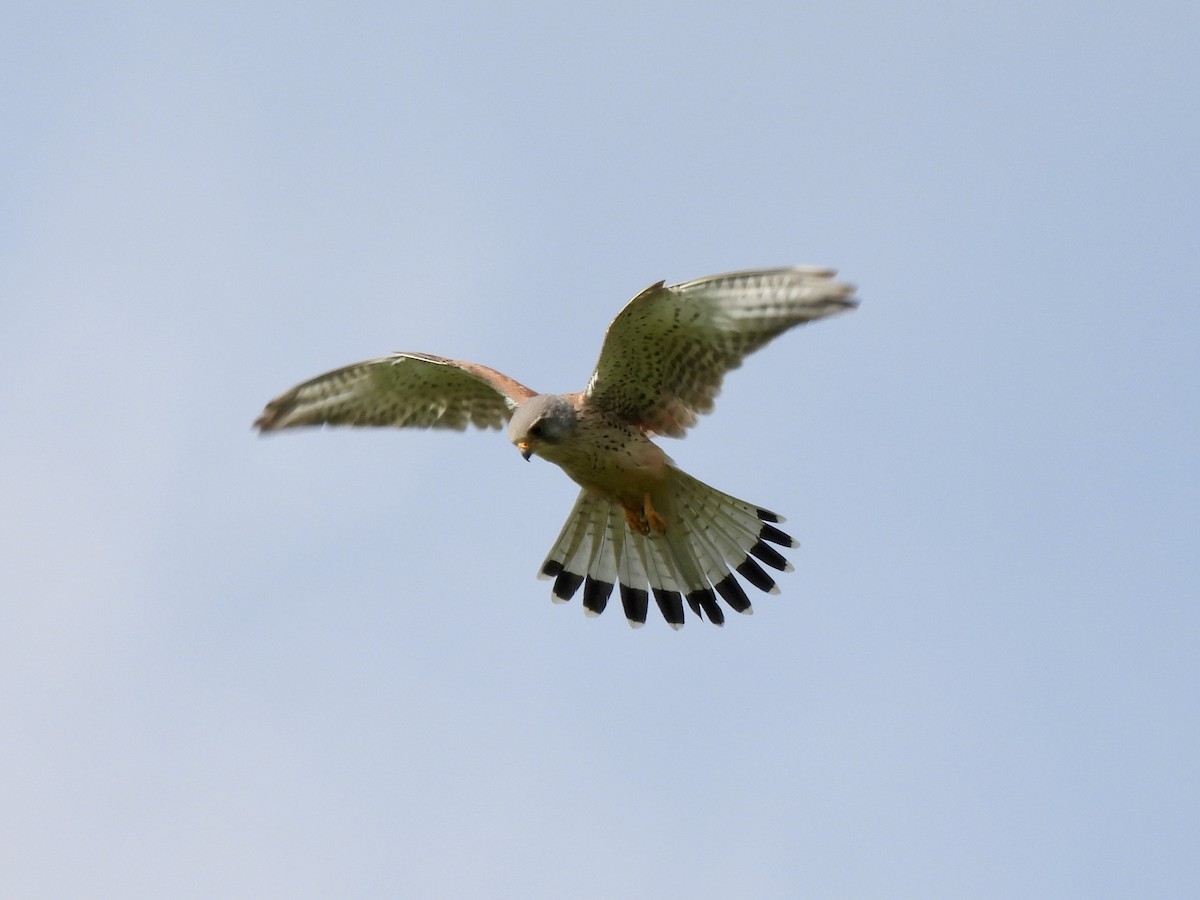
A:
640, 523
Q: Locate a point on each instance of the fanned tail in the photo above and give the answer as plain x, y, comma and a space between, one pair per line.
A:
709, 536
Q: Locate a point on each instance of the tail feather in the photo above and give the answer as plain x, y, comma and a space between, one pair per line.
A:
631, 572
731, 592
666, 582
595, 595
707, 601
564, 566
662, 580
709, 537
696, 566
602, 567
733, 538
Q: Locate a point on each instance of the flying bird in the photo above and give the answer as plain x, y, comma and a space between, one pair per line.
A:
640, 523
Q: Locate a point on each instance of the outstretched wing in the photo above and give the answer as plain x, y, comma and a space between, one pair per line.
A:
666, 352
405, 390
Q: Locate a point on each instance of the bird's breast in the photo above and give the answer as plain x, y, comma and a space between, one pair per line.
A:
613, 460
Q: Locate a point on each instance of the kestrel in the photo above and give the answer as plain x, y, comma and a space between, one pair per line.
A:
639, 522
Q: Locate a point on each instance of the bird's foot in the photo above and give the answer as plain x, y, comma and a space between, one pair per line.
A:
645, 519
653, 519
635, 520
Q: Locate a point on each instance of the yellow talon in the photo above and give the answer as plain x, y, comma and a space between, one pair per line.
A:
646, 519
634, 519
653, 519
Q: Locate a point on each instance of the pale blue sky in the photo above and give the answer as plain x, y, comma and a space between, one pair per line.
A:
319, 665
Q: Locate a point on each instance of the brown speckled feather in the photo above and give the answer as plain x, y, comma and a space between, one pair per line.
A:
667, 351
405, 390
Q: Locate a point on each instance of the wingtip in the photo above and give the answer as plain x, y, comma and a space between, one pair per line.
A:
275, 414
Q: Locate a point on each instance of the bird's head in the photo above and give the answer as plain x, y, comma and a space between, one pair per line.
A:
541, 421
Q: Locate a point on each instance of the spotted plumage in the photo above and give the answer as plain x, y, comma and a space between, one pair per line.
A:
640, 525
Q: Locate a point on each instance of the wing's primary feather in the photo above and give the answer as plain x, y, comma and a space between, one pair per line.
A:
666, 353
405, 390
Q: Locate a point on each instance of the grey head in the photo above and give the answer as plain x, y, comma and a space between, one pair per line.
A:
542, 419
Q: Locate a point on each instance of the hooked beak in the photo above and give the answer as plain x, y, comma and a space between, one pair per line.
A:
526, 449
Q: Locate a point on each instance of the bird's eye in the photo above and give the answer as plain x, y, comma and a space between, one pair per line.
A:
535, 430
